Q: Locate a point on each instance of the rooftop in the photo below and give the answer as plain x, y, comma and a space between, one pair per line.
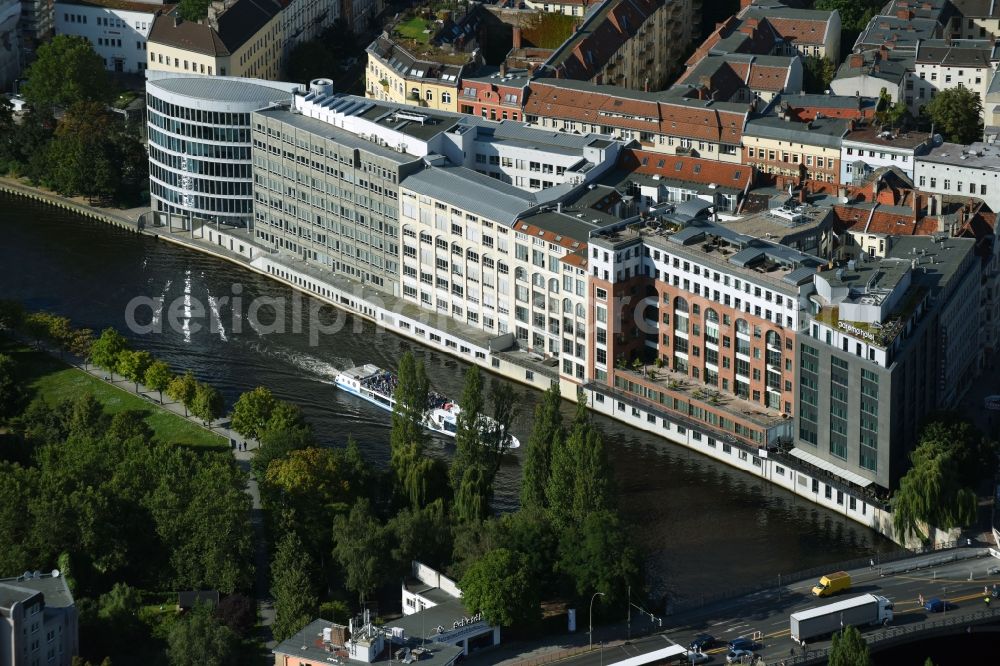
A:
895, 32
806, 100
890, 66
875, 136
827, 132
126, 5
784, 223
436, 622
757, 260
978, 155
224, 89
51, 584
977, 8
472, 191
309, 644
975, 53
326, 130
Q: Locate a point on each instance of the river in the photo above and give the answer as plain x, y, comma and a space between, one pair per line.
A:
704, 526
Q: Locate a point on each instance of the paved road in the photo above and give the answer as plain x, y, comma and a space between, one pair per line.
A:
767, 612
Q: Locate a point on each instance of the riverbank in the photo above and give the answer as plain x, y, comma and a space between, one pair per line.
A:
456, 340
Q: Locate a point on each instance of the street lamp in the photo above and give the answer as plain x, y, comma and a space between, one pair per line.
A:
590, 633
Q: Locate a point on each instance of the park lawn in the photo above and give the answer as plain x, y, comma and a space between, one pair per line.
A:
54, 380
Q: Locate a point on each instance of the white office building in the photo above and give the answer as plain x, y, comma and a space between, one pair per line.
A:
117, 29
38, 620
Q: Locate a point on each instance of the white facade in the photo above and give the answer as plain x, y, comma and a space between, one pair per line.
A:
38, 621
969, 171
937, 76
875, 156
495, 278
117, 35
578, 8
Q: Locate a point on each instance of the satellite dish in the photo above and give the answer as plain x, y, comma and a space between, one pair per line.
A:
37, 574
55, 573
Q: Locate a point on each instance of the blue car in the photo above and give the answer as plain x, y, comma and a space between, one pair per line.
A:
742, 643
936, 605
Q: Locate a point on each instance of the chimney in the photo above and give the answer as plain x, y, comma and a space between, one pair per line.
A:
802, 194
503, 68
745, 3
856, 61
516, 37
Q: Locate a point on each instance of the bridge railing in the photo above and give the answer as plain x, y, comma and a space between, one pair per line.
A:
880, 560
889, 634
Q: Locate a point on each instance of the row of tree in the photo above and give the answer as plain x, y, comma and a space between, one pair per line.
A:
70, 141
111, 352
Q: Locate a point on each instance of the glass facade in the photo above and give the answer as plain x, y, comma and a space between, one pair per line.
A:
808, 394
869, 420
838, 407
199, 159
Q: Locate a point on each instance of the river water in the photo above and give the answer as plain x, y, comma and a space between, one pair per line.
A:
704, 526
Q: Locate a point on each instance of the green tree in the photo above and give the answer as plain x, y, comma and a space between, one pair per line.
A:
207, 404
10, 388
546, 434
817, 73
132, 365
11, 314
252, 411
79, 344
157, 377
849, 648
956, 114
362, 549
498, 585
83, 159
295, 602
411, 469
421, 534
105, 350
182, 389
198, 639
38, 326
66, 70
193, 10
939, 489
597, 556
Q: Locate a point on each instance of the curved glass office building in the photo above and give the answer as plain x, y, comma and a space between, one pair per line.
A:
199, 145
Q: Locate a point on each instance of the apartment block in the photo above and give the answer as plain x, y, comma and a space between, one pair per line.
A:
38, 620
974, 19
627, 43
495, 94
660, 122
117, 30
396, 74
697, 323
747, 79
969, 171
867, 149
868, 73
797, 151
943, 64
659, 179
36, 23
245, 38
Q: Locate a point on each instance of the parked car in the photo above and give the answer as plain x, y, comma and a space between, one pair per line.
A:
691, 657
742, 643
701, 642
738, 656
936, 605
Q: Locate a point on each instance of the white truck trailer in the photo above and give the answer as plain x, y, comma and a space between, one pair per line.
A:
824, 620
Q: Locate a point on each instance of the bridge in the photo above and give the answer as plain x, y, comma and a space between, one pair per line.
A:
957, 576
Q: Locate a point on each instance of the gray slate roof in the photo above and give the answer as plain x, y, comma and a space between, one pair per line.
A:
827, 132
472, 191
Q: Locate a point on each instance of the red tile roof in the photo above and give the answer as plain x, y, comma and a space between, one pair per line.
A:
687, 169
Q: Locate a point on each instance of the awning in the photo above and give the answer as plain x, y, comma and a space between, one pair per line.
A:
816, 461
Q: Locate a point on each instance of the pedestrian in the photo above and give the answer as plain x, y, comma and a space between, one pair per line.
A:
871, 563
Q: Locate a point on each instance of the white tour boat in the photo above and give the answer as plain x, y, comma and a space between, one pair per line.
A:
377, 386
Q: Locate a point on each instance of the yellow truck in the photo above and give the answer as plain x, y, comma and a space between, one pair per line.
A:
831, 584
